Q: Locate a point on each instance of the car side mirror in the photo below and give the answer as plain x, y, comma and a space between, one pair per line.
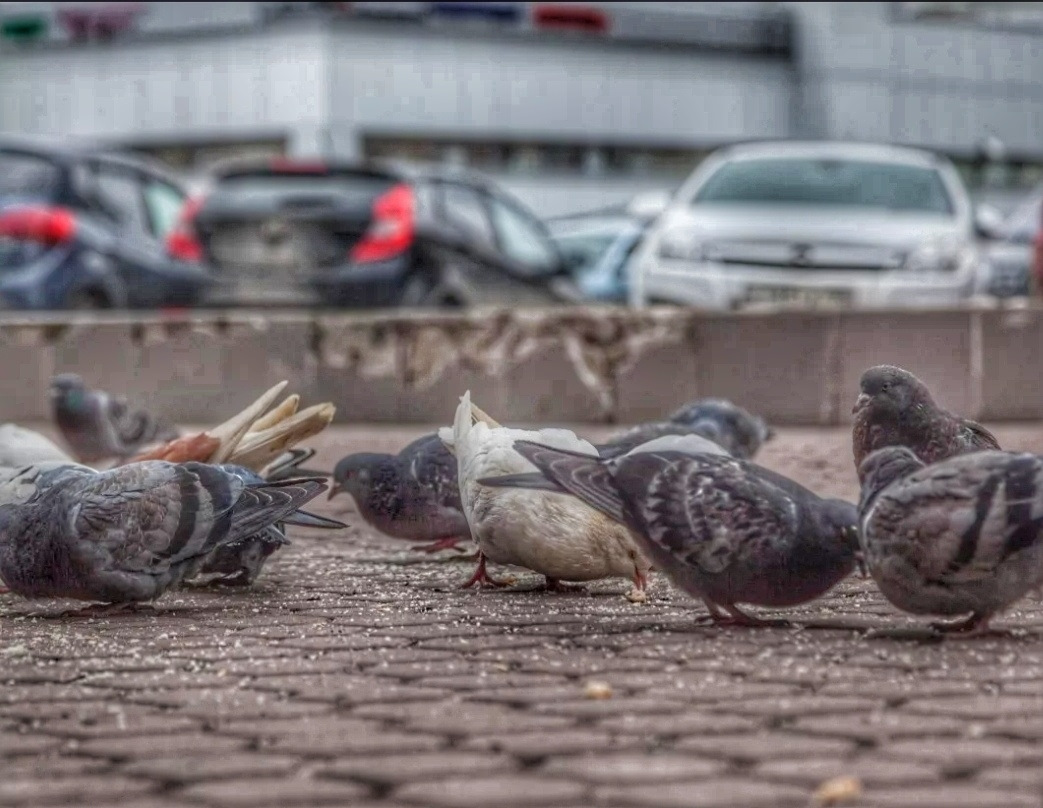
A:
988, 222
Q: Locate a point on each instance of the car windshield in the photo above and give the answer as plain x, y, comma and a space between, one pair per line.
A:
584, 249
827, 182
1023, 223
28, 175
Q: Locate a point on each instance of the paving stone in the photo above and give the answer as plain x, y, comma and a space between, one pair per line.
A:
766, 746
537, 745
389, 770
627, 769
271, 793
965, 754
491, 792
952, 796
138, 748
721, 793
872, 772
85, 790
203, 766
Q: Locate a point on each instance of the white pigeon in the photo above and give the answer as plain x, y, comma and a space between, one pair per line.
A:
551, 533
23, 447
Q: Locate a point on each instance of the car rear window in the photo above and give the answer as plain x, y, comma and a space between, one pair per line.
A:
261, 189
827, 182
28, 175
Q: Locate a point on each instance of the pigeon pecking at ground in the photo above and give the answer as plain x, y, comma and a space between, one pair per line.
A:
101, 427
129, 534
960, 537
723, 529
894, 408
548, 532
239, 562
740, 432
414, 495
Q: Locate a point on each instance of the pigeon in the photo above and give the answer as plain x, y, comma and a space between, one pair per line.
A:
741, 433
290, 464
101, 427
414, 495
723, 529
129, 534
548, 532
22, 447
894, 408
963, 536
238, 563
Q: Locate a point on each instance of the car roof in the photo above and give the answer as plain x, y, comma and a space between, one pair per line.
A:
836, 149
64, 150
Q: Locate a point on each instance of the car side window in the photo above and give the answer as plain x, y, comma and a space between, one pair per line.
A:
521, 238
163, 203
464, 208
118, 190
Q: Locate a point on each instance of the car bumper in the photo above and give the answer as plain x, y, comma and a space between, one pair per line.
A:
722, 288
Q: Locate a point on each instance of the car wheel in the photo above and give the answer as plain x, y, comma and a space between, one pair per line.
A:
88, 300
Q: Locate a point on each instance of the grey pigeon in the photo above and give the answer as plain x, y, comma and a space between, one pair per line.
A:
894, 408
130, 533
100, 427
740, 432
960, 537
413, 495
239, 562
723, 529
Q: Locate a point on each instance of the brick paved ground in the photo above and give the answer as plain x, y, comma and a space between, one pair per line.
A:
350, 678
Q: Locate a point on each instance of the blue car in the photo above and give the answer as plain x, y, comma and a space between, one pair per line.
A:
82, 227
597, 248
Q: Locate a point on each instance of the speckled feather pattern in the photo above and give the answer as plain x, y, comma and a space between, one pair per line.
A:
961, 536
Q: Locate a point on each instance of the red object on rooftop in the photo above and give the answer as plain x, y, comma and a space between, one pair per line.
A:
581, 19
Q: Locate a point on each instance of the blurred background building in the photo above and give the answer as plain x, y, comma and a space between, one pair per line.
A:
570, 105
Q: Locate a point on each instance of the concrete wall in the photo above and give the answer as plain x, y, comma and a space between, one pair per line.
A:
590, 365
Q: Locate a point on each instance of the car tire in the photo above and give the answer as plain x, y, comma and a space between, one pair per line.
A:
88, 300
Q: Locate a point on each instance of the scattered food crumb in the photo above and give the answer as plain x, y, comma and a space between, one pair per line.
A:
837, 791
597, 690
636, 595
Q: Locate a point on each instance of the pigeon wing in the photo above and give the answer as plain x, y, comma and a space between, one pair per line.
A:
585, 477
148, 516
708, 511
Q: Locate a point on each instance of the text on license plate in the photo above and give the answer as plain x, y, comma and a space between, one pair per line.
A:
791, 294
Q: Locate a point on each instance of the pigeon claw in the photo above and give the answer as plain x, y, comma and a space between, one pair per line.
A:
449, 543
482, 578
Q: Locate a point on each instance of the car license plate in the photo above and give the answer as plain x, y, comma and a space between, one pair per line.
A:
796, 295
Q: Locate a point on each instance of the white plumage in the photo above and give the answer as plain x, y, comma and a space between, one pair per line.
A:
550, 533
23, 447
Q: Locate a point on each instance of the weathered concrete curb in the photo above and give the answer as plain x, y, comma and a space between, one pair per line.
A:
530, 365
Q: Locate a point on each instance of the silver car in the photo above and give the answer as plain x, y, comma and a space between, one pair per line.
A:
813, 223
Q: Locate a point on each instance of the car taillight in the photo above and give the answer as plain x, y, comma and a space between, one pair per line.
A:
49, 226
182, 242
391, 231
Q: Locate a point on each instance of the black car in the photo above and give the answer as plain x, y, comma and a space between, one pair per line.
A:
342, 234
84, 227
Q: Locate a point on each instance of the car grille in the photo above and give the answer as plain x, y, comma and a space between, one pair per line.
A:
275, 249
798, 255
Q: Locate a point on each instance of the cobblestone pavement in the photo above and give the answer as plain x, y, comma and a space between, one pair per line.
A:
350, 677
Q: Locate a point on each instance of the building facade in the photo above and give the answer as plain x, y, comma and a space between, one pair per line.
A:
571, 105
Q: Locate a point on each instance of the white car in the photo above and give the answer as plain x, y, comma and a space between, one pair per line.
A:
813, 223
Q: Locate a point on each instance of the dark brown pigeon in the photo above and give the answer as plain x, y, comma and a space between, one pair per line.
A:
963, 536
413, 495
894, 408
739, 432
725, 530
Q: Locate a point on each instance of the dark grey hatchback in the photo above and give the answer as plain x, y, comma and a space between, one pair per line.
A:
289, 232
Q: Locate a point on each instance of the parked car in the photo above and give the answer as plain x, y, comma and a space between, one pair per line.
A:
812, 223
597, 248
83, 227
347, 234
1011, 253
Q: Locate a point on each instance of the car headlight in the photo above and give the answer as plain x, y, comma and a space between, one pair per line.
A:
940, 256
680, 245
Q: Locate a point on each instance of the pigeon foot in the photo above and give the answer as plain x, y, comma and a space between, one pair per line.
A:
734, 617
450, 543
638, 593
482, 578
973, 626
99, 610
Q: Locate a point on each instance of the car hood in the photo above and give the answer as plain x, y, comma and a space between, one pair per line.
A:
812, 224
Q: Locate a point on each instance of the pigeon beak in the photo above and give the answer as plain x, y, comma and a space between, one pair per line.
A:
860, 403
334, 490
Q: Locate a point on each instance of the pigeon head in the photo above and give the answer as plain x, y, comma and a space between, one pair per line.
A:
69, 389
356, 472
842, 516
883, 467
890, 392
